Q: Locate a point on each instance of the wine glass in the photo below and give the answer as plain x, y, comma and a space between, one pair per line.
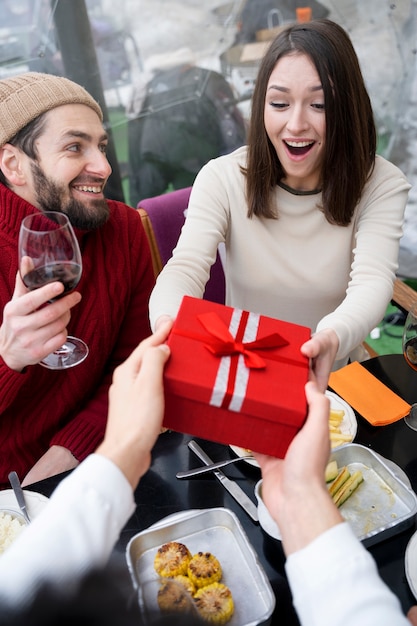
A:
48, 252
410, 355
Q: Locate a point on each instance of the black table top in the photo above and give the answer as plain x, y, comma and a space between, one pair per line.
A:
160, 493
398, 443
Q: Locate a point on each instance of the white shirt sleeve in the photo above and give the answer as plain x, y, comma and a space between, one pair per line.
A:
335, 582
75, 532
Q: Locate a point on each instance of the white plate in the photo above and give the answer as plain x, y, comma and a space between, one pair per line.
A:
411, 564
349, 424
35, 502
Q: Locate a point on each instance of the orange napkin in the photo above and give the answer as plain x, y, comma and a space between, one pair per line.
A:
367, 395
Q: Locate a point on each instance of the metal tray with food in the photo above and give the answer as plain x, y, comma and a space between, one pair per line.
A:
384, 504
215, 530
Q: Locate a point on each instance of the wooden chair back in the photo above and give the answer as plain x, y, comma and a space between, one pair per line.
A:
163, 217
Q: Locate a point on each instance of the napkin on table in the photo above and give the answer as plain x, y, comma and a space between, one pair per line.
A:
368, 395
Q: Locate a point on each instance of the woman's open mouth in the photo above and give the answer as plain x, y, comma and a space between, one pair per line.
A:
299, 148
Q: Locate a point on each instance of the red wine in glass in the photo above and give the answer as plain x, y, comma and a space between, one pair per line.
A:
67, 272
49, 252
410, 352
410, 355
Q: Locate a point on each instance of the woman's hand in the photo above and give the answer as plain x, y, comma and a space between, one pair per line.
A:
321, 349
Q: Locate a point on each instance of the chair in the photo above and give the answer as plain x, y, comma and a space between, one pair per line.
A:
403, 296
162, 218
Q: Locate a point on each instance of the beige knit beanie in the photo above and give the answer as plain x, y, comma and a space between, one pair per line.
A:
26, 96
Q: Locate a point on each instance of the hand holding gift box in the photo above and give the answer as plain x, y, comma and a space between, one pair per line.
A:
235, 377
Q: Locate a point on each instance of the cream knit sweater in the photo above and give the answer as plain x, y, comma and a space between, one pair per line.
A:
297, 268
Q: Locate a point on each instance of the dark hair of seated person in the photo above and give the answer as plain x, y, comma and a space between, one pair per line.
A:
96, 600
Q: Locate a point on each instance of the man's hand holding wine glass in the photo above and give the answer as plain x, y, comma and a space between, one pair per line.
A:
49, 251
31, 330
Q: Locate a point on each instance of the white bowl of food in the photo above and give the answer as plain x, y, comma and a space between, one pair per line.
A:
12, 523
265, 519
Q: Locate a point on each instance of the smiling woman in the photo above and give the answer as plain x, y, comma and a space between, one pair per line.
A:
309, 215
338, 101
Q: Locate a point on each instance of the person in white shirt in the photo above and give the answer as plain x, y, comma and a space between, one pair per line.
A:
309, 216
76, 531
333, 578
81, 523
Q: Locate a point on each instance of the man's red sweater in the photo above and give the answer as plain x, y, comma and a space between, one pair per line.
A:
40, 407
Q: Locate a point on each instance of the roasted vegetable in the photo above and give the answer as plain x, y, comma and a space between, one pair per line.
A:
331, 471
348, 488
203, 569
198, 586
341, 478
174, 597
172, 559
214, 603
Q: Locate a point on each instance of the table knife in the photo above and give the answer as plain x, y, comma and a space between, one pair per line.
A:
18, 492
237, 492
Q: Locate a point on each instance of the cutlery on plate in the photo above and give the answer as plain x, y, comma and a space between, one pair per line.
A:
213, 466
20, 496
233, 488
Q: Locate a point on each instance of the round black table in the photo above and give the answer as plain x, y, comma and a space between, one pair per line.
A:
160, 493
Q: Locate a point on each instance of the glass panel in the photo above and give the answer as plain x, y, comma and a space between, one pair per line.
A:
177, 76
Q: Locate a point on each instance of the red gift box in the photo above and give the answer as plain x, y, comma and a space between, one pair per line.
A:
235, 377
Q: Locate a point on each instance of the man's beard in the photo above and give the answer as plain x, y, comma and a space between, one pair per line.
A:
49, 198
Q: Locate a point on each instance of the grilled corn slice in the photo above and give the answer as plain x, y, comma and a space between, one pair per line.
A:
185, 582
203, 569
214, 603
172, 559
173, 596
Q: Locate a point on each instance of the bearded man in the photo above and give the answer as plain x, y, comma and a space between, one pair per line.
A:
53, 158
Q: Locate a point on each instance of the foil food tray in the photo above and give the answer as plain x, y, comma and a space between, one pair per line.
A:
384, 504
215, 530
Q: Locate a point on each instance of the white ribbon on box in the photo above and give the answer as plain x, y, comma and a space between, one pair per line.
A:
242, 375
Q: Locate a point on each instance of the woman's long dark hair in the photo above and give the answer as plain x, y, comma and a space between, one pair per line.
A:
350, 144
